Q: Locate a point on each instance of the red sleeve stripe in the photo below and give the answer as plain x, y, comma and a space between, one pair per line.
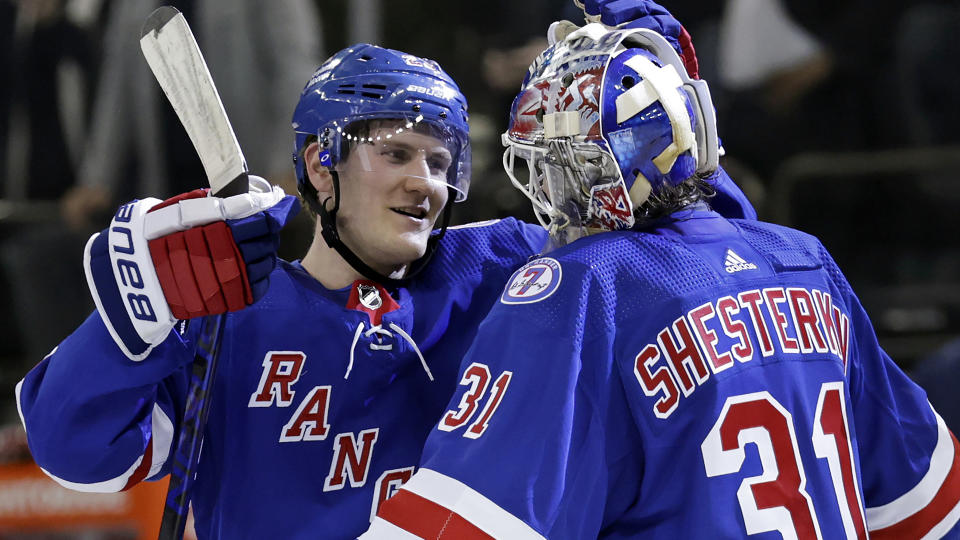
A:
141, 471
940, 512
158, 448
432, 505
427, 519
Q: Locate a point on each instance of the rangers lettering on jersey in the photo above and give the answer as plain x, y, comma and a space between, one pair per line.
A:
688, 351
309, 422
352, 452
387, 485
281, 369
351, 459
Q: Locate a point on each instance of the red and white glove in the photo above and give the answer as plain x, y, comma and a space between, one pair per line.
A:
644, 14
189, 256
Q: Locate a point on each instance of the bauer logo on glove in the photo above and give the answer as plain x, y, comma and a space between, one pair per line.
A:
189, 256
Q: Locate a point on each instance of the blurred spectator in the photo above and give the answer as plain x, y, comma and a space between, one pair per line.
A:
259, 53
929, 79
802, 75
50, 61
857, 81
761, 45
762, 65
928, 74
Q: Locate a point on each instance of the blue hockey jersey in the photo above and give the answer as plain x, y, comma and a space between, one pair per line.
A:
713, 379
321, 402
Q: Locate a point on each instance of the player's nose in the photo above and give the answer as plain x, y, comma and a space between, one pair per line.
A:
418, 166
416, 176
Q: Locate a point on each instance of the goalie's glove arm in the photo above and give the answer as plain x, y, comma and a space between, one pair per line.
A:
187, 257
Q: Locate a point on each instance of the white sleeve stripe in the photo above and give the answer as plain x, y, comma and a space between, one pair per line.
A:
162, 429
107, 486
470, 505
941, 461
381, 528
947, 523
16, 392
162, 438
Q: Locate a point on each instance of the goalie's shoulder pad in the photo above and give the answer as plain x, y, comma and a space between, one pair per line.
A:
124, 283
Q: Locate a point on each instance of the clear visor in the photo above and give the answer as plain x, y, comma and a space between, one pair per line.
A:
560, 179
407, 146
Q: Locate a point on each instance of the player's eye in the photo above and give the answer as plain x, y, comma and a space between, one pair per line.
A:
438, 164
396, 155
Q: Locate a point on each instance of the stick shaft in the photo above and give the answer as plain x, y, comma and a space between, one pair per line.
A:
187, 454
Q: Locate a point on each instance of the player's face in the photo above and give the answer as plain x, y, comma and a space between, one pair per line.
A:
392, 192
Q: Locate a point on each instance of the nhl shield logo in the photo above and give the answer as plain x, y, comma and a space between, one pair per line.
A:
369, 296
533, 282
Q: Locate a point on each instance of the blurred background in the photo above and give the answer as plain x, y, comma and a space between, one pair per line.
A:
838, 117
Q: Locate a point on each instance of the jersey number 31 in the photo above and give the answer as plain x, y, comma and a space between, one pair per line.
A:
777, 499
477, 378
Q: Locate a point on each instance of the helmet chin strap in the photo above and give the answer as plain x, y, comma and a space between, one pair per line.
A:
328, 229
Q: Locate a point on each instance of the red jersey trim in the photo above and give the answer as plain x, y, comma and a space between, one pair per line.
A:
941, 513
435, 506
428, 519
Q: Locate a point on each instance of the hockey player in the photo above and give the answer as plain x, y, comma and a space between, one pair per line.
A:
332, 369
330, 381
679, 374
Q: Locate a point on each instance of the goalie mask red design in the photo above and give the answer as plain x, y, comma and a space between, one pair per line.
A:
605, 118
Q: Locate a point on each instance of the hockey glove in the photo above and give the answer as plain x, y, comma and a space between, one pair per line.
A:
190, 256
729, 200
644, 14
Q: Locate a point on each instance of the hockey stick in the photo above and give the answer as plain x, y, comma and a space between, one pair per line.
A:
176, 62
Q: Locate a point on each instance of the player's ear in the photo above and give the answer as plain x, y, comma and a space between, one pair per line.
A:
319, 175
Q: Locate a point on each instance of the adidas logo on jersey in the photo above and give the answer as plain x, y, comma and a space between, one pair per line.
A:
735, 263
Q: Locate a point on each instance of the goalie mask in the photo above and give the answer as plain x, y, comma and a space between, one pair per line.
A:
360, 99
604, 119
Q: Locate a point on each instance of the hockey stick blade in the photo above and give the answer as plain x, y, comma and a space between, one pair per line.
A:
175, 59
178, 65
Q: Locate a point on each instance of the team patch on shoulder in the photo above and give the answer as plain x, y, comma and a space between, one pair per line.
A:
533, 282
